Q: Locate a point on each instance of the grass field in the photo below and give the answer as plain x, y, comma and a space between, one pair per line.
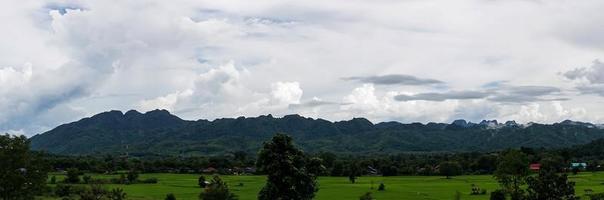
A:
184, 186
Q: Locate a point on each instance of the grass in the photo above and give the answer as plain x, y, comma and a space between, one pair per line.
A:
184, 186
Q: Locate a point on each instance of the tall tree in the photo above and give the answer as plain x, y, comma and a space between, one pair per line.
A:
551, 186
450, 168
288, 178
511, 173
217, 190
23, 174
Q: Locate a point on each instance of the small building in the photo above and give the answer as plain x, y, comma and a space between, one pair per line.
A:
535, 166
578, 165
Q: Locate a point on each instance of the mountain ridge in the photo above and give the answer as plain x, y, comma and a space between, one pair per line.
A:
159, 132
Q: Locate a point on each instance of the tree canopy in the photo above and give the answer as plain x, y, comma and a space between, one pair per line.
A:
286, 167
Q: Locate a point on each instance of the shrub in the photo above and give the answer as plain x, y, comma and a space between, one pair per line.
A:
366, 196
149, 181
132, 176
117, 194
62, 190
53, 180
382, 187
73, 175
86, 179
598, 196
497, 195
170, 197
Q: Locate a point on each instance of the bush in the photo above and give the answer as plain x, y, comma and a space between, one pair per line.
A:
382, 187
73, 175
497, 195
366, 196
149, 181
132, 176
62, 190
117, 194
53, 180
86, 179
170, 197
598, 196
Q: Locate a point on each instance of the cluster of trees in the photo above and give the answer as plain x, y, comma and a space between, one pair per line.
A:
514, 177
291, 173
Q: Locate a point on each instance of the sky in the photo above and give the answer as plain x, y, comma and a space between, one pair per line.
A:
385, 60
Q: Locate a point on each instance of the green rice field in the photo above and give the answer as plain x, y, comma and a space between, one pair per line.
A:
184, 186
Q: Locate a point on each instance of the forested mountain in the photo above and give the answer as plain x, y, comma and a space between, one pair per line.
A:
159, 132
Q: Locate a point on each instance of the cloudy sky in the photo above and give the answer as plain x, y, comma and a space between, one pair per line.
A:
401, 60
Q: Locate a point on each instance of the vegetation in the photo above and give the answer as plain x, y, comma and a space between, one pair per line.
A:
217, 190
288, 177
23, 174
160, 133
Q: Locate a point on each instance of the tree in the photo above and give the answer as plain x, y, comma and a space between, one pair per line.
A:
382, 187
170, 197
96, 192
23, 174
73, 175
353, 171
288, 178
511, 173
497, 195
117, 194
366, 196
449, 169
132, 176
551, 186
201, 181
315, 166
217, 190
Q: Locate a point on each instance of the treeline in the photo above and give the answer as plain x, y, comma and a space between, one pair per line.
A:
426, 164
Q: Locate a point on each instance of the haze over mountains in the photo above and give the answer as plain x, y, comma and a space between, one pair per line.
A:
159, 132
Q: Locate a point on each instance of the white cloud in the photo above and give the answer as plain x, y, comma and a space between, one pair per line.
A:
287, 92
212, 59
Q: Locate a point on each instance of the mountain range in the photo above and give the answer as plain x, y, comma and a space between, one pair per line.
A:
158, 132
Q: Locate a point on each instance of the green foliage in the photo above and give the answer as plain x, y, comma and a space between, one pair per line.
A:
132, 176
497, 195
117, 194
366, 196
288, 178
382, 187
598, 196
170, 197
551, 186
354, 170
86, 179
201, 181
23, 174
161, 132
450, 168
95, 192
73, 175
217, 190
53, 180
512, 170
63, 190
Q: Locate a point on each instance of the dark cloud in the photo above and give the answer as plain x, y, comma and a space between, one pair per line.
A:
443, 96
394, 79
593, 74
313, 103
597, 89
497, 93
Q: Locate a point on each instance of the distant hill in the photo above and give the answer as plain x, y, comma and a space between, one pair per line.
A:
159, 132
